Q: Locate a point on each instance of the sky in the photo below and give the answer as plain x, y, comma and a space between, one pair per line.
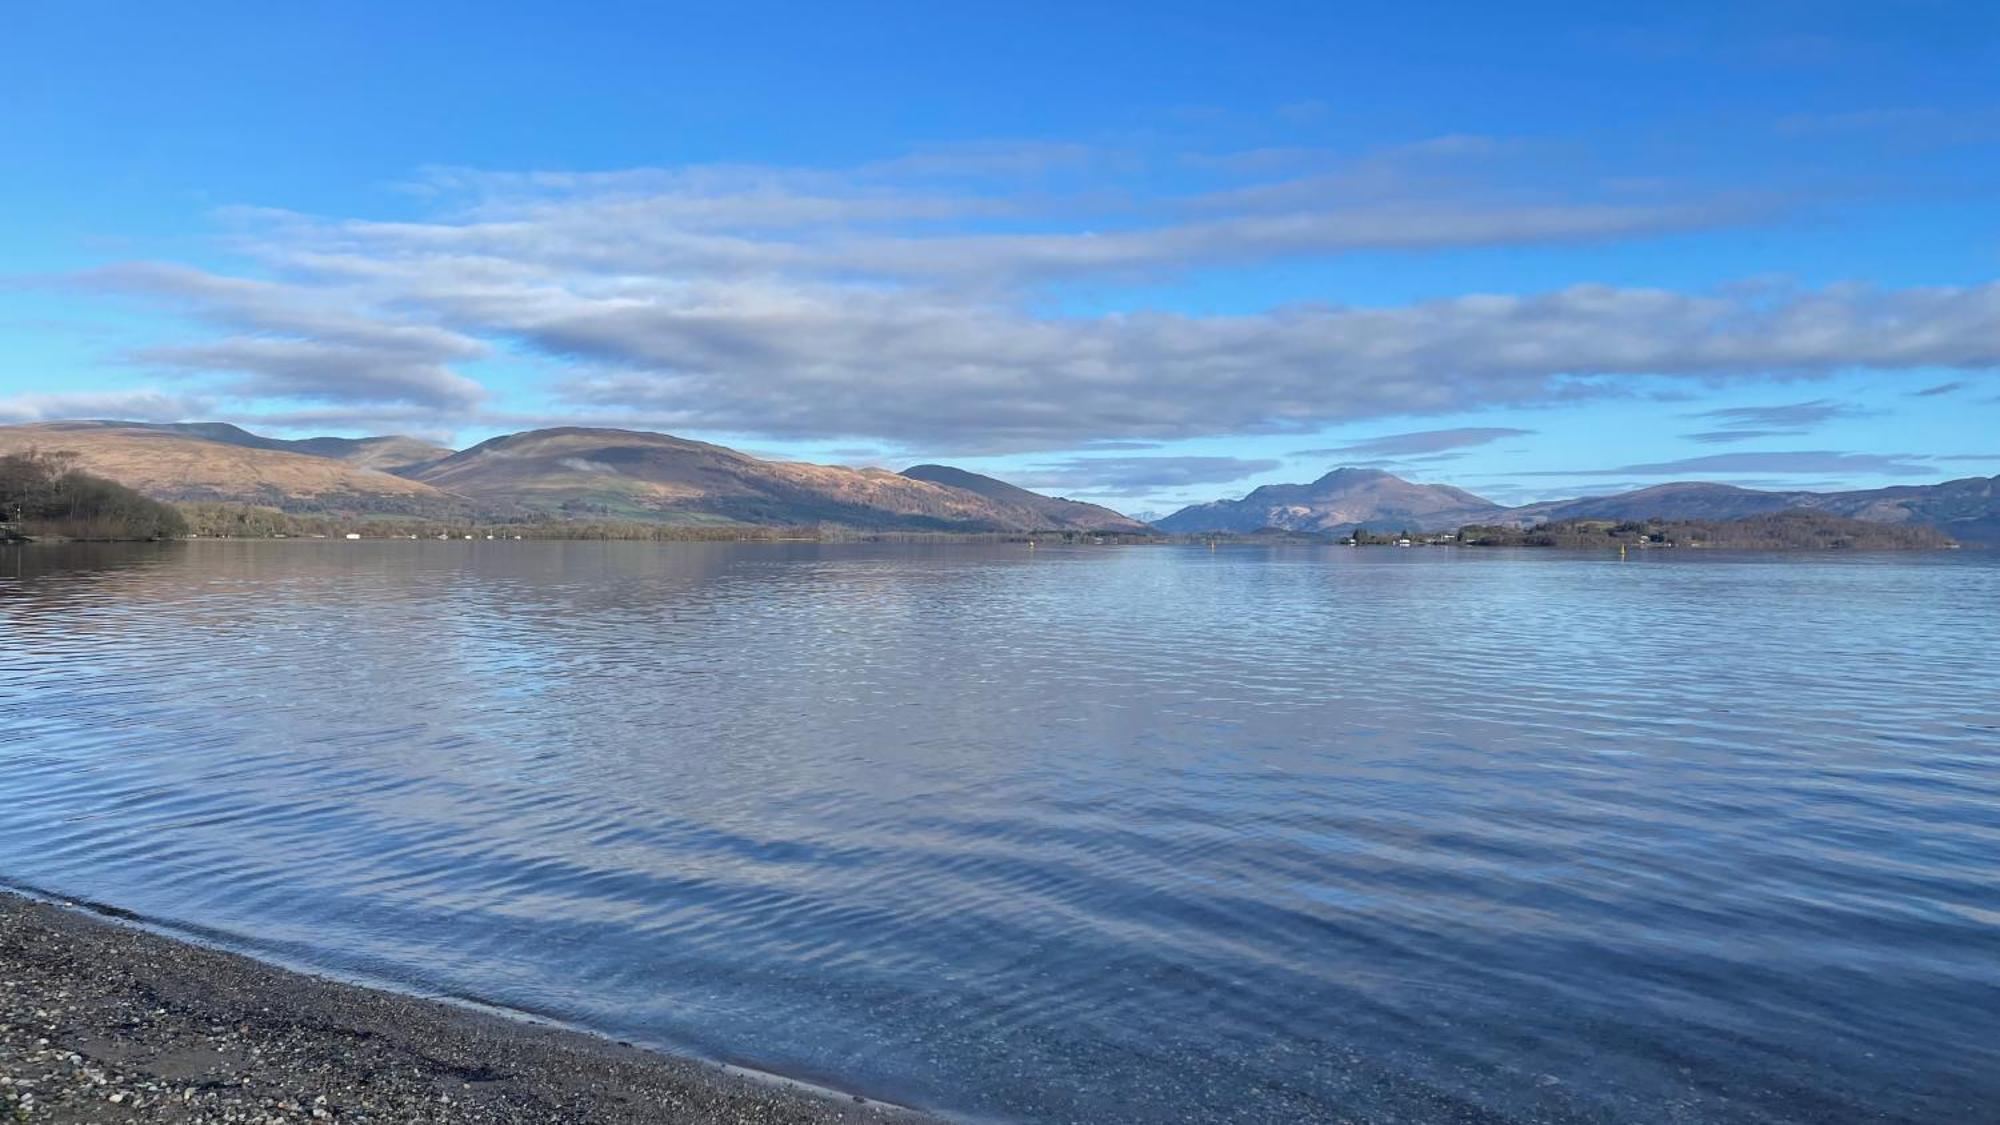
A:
1142, 254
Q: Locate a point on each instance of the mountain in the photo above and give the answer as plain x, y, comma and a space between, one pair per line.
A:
1685, 500
187, 465
628, 475
1051, 512
390, 454
1967, 510
1340, 500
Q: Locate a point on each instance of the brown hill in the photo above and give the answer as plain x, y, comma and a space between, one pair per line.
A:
1051, 512
170, 465
392, 453
607, 474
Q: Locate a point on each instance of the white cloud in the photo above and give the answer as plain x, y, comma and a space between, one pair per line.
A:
816, 362
1431, 442
1138, 476
1784, 462
876, 304
298, 341
137, 405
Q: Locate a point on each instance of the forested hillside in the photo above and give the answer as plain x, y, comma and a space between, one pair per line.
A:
46, 495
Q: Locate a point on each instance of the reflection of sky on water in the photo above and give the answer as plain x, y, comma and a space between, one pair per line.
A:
1078, 833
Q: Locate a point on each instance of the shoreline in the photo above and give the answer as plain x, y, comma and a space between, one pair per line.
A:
102, 1020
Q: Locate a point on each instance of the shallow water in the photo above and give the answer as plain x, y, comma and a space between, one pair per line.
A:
1095, 834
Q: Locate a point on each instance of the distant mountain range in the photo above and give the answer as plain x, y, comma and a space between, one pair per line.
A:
1968, 510
601, 475
608, 475
1339, 501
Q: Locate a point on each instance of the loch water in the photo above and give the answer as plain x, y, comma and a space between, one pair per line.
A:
1078, 834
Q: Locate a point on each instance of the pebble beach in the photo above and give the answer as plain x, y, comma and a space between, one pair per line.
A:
104, 1021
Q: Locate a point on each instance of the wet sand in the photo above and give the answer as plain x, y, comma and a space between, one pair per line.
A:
102, 1021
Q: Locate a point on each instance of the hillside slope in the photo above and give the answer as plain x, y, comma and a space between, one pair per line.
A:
610, 474
170, 465
1054, 512
389, 453
1967, 510
1684, 500
1340, 500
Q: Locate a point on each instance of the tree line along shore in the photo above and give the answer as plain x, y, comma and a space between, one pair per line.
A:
1777, 531
44, 495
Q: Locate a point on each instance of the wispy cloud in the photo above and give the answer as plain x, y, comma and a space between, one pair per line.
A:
1779, 463
1419, 441
1795, 416
1902, 125
903, 303
1139, 476
1940, 389
137, 406
944, 372
1753, 423
299, 341
1725, 437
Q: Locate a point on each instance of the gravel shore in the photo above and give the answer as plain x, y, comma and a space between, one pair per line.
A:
105, 1022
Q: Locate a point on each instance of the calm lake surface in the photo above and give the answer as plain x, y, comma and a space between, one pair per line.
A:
1094, 834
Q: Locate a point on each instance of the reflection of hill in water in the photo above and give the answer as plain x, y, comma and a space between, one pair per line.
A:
23, 566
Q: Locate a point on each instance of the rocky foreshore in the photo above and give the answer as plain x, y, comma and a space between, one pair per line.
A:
105, 1022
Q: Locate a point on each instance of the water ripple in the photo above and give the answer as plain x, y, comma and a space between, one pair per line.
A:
1082, 835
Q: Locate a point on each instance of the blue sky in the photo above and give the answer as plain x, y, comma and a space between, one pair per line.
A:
1147, 254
